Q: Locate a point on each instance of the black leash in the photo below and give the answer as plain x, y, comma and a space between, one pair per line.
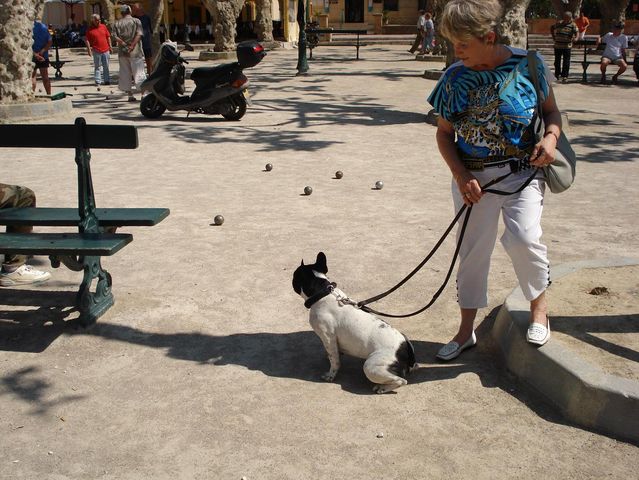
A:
484, 189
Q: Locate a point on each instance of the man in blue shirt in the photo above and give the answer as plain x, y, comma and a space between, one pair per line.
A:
41, 43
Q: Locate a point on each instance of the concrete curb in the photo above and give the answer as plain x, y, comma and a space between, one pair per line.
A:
583, 392
17, 112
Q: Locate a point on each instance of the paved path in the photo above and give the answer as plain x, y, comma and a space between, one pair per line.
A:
206, 367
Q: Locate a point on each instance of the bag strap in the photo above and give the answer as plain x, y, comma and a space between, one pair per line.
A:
534, 76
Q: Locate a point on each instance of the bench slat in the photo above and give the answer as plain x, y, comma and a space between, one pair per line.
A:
63, 217
66, 136
85, 244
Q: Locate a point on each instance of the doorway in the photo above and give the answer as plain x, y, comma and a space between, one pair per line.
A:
354, 11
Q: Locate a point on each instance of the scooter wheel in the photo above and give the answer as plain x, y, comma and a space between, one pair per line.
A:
151, 107
238, 107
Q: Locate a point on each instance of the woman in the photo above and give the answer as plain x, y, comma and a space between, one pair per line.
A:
486, 103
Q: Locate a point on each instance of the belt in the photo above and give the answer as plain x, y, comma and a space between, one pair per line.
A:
477, 164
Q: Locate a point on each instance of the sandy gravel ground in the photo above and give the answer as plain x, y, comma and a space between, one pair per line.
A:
206, 367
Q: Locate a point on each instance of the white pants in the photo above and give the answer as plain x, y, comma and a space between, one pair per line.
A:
131, 72
521, 214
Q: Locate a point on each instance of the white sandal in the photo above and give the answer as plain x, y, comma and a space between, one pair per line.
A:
538, 334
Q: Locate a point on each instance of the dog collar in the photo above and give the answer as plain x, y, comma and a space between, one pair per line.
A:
327, 290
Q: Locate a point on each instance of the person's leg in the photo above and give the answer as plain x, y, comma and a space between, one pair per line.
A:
97, 78
474, 256
34, 79
44, 73
416, 42
622, 68
603, 66
565, 69
522, 241
106, 76
124, 82
15, 196
558, 63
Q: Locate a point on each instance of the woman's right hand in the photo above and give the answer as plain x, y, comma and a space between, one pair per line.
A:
469, 187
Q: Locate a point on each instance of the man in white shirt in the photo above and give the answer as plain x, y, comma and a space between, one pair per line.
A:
615, 52
419, 38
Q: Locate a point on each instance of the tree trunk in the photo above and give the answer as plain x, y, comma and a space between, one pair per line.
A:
264, 22
156, 15
224, 13
108, 12
513, 28
16, 39
560, 7
612, 11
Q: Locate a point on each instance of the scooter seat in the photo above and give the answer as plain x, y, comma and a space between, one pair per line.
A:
211, 73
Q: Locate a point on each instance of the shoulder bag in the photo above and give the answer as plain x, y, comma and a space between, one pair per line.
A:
561, 172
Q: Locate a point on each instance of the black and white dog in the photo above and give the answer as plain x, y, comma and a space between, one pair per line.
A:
344, 328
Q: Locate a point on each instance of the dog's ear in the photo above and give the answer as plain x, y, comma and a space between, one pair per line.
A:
320, 263
302, 264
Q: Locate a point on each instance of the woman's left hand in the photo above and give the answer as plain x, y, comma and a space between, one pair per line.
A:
543, 153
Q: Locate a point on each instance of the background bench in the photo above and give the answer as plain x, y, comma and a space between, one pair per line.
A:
592, 55
314, 33
94, 236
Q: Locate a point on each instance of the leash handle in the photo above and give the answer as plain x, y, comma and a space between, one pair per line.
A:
485, 189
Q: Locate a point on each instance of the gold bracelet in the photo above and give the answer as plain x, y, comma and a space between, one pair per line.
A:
551, 133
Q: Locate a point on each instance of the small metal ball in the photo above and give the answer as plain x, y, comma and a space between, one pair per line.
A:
218, 220
339, 174
308, 190
268, 167
379, 185
98, 89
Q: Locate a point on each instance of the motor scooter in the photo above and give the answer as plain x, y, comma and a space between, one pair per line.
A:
218, 90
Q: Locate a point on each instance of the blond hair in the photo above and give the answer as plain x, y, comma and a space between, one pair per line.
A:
463, 19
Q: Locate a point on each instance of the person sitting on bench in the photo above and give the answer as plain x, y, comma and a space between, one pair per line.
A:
15, 270
615, 52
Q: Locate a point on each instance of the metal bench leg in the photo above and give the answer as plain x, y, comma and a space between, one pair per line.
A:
357, 58
93, 305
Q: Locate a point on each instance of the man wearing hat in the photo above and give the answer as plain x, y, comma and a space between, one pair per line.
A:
128, 33
615, 51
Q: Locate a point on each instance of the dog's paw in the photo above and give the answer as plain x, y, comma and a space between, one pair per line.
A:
387, 388
329, 376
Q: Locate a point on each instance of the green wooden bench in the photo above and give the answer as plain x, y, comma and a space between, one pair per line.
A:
314, 40
80, 250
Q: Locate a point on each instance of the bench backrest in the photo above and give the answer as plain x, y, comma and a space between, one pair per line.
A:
79, 135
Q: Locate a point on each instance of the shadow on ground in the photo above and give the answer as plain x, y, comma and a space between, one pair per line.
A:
585, 329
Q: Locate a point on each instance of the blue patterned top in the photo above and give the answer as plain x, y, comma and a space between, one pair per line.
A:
491, 110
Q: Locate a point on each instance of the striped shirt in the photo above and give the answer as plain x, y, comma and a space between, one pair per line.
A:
563, 34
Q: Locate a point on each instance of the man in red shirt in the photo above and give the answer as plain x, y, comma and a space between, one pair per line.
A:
98, 41
582, 23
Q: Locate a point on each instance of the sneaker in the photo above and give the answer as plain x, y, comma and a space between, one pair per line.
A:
615, 79
603, 80
132, 98
564, 80
24, 275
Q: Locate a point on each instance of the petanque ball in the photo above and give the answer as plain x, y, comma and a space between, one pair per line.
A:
379, 184
308, 190
218, 220
98, 89
268, 167
339, 174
